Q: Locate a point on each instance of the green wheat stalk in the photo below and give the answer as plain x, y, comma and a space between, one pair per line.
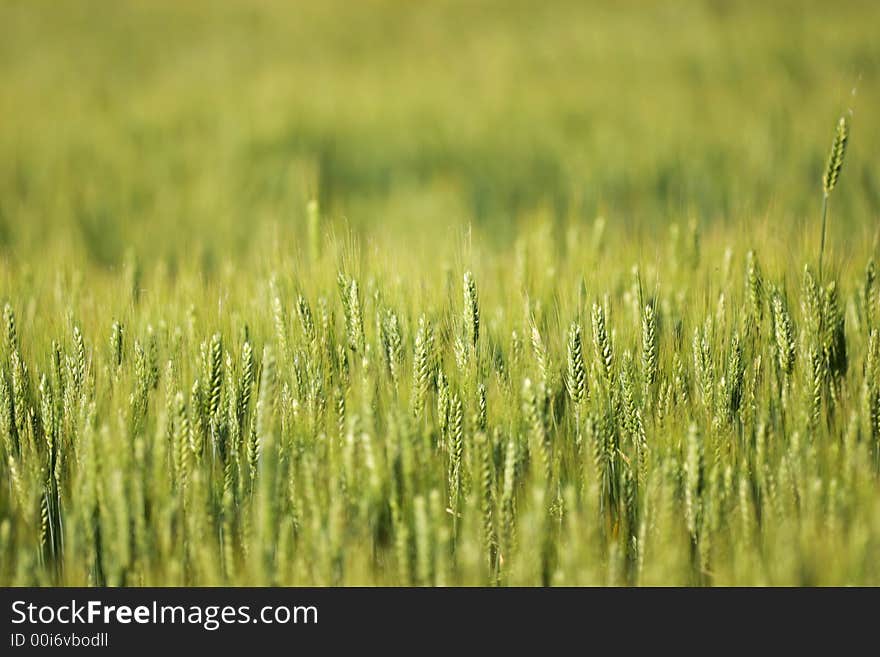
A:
829, 178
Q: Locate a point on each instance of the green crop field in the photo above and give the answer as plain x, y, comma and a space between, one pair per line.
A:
439, 293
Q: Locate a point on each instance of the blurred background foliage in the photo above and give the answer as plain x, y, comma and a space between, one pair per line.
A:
195, 130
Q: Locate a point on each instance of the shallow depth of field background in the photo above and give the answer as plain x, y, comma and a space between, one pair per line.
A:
187, 130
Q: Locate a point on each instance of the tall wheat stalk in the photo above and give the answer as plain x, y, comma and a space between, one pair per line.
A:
829, 179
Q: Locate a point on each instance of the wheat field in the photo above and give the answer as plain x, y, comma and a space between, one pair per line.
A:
459, 294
